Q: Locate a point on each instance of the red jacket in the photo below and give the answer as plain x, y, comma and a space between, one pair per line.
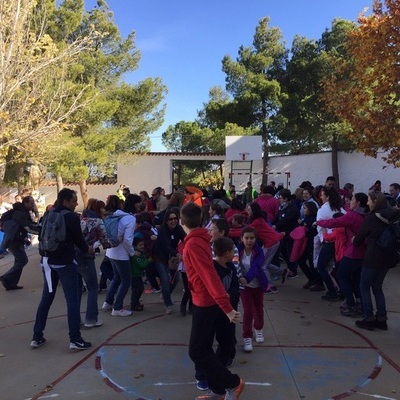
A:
269, 204
268, 235
204, 283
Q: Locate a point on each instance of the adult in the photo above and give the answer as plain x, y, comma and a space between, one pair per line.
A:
349, 269
376, 261
166, 248
249, 194
330, 182
268, 202
21, 214
159, 200
175, 201
331, 204
394, 190
286, 221
119, 257
147, 204
307, 195
61, 266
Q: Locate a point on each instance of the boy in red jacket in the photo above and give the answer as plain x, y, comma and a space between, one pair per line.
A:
208, 295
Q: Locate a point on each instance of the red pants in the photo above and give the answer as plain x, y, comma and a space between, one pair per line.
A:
253, 310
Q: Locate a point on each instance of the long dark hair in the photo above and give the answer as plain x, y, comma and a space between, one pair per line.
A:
334, 199
256, 212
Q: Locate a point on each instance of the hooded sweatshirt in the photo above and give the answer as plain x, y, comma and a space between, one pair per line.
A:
204, 283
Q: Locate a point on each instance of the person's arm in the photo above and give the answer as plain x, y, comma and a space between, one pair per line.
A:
345, 221
73, 225
128, 224
257, 261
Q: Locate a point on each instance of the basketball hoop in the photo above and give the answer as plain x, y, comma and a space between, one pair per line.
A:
243, 156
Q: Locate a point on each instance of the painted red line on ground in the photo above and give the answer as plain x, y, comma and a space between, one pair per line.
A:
90, 354
97, 363
112, 385
373, 346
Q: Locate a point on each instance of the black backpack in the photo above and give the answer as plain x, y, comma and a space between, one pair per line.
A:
389, 238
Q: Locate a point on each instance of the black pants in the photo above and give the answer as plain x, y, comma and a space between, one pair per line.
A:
137, 290
201, 350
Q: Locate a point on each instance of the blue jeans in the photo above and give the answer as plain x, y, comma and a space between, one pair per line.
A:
68, 276
167, 286
326, 254
120, 283
348, 276
13, 275
87, 270
372, 278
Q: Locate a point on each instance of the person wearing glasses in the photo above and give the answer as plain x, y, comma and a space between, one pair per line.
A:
165, 255
159, 200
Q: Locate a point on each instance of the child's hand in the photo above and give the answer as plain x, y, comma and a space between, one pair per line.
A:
242, 281
234, 316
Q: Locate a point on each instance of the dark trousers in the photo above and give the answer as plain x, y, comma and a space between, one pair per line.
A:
348, 276
137, 290
13, 275
187, 295
151, 275
106, 272
326, 254
201, 350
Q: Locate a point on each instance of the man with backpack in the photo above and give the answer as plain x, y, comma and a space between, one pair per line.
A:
16, 224
61, 232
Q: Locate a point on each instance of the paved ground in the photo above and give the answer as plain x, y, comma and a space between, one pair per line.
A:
310, 352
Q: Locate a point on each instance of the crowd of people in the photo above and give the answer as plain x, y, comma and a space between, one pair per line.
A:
225, 248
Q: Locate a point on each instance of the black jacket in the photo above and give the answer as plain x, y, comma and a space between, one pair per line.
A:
166, 244
230, 281
74, 237
371, 228
23, 217
287, 218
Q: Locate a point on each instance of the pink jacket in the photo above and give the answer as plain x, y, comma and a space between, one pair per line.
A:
352, 222
269, 204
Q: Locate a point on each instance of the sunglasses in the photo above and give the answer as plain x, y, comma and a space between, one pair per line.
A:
173, 219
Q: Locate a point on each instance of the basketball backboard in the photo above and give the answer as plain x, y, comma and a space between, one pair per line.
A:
243, 148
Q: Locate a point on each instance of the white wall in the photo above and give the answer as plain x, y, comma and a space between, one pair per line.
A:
354, 168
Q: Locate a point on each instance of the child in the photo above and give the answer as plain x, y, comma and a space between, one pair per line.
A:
314, 280
224, 251
236, 228
251, 258
139, 263
209, 297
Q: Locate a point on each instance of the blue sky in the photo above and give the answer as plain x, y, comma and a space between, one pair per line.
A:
183, 41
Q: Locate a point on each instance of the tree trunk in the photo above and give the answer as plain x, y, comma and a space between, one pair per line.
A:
264, 134
335, 164
84, 193
59, 182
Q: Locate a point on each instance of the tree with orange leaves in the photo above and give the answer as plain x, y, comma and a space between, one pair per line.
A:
365, 91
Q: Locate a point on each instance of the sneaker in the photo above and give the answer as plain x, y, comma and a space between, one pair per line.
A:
99, 322
259, 336
168, 310
35, 344
233, 394
368, 325
106, 307
247, 345
292, 275
139, 307
202, 385
350, 312
79, 345
330, 297
210, 396
317, 288
271, 290
121, 313
381, 325
150, 291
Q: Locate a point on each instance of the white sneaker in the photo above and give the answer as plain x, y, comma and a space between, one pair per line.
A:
106, 307
259, 336
247, 345
99, 322
168, 310
121, 313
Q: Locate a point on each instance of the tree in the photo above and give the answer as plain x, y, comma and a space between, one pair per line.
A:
36, 98
253, 79
122, 116
365, 89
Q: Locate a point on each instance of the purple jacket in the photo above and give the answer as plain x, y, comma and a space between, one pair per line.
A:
255, 271
352, 222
